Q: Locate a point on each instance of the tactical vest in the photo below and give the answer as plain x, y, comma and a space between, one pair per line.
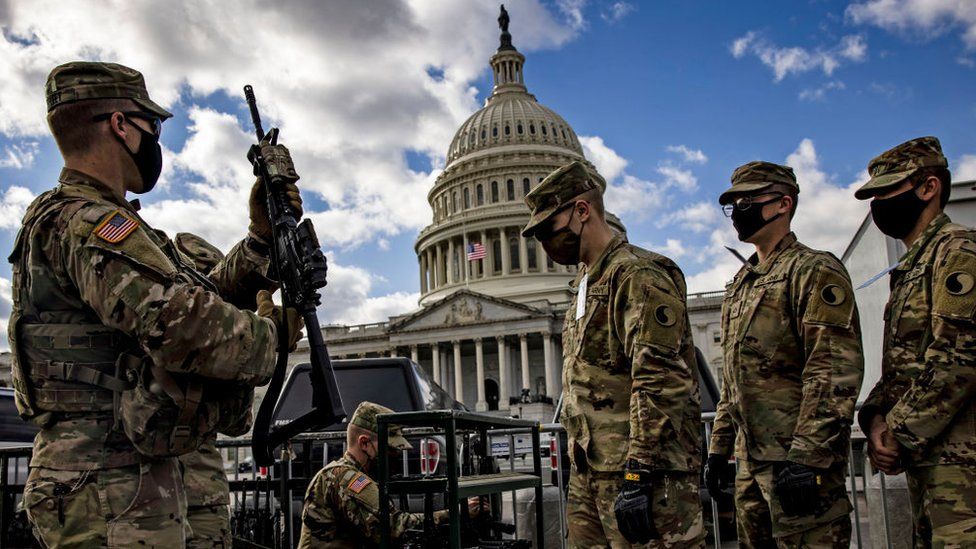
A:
66, 363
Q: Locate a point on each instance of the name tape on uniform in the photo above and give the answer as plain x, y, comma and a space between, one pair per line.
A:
581, 297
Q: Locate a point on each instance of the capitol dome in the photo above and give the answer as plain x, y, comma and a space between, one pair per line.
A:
497, 156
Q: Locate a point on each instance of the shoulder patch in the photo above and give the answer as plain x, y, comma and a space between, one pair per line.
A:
359, 483
116, 227
954, 288
831, 302
662, 324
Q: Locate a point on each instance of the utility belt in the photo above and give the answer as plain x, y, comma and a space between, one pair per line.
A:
78, 369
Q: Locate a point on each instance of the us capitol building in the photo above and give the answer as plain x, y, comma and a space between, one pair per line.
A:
488, 330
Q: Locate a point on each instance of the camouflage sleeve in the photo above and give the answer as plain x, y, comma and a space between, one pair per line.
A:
723, 429
873, 405
133, 286
828, 324
948, 380
361, 506
240, 275
651, 319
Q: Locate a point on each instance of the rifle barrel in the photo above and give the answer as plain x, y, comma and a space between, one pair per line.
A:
252, 104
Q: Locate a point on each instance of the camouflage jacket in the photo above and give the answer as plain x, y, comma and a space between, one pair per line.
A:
793, 361
927, 390
140, 286
342, 509
630, 384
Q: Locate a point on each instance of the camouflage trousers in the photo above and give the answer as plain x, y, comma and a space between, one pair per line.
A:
943, 505
761, 522
135, 506
676, 510
207, 497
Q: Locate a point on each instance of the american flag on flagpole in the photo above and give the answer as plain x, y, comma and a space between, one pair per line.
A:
475, 251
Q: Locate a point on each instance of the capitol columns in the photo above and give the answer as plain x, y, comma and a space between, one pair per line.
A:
464, 257
524, 344
547, 352
450, 262
438, 263
506, 259
502, 373
523, 255
435, 354
422, 260
414, 355
479, 361
458, 374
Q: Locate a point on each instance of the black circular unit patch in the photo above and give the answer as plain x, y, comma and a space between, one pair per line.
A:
664, 315
833, 294
959, 283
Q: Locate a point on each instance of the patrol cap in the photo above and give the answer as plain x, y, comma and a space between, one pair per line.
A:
365, 417
892, 167
79, 80
755, 176
556, 190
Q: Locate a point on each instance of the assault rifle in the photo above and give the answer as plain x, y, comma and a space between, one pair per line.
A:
300, 268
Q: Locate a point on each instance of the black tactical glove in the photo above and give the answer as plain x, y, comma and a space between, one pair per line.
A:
633, 506
797, 487
283, 174
717, 476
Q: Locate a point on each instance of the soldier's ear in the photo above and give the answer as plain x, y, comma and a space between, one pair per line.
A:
583, 210
929, 188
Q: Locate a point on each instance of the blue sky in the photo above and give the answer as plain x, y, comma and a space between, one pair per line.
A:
667, 97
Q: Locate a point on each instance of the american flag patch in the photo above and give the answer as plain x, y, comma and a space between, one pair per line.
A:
116, 228
360, 482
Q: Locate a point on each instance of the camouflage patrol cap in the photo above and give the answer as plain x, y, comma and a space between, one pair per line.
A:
365, 417
755, 176
556, 190
79, 80
892, 167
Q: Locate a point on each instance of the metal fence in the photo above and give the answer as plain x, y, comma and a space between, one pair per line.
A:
259, 514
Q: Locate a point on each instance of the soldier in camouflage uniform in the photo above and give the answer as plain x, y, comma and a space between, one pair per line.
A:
630, 386
793, 366
204, 480
123, 352
921, 415
342, 504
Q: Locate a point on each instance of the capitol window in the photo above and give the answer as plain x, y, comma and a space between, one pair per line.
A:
494, 192
544, 130
533, 256
510, 189
479, 195
525, 186
532, 128
483, 134
467, 198
513, 253
518, 128
496, 255
494, 131
454, 202
508, 130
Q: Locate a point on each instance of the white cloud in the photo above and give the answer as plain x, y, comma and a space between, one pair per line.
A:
6, 303
633, 196
967, 62
13, 204
820, 93
19, 156
347, 300
965, 168
617, 11
607, 161
921, 19
678, 177
697, 217
572, 11
795, 60
695, 156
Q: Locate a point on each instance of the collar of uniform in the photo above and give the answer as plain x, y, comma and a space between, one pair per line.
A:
596, 269
352, 462
762, 268
908, 260
81, 180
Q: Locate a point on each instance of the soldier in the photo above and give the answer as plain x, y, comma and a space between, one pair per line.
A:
122, 351
342, 504
204, 480
793, 366
630, 386
920, 416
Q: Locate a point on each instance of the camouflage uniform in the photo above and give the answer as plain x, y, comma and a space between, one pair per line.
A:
793, 366
342, 504
928, 380
204, 479
630, 385
87, 294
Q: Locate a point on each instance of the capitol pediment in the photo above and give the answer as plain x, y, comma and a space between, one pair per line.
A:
465, 307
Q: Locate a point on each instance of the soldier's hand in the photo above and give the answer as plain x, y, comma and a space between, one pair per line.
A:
632, 507
883, 450
797, 488
268, 309
477, 506
717, 477
258, 209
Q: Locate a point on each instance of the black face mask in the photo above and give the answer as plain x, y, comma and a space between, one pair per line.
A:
748, 222
563, 246
897, 215
148, 159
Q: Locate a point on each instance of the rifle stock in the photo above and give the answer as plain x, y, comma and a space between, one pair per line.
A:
300, 267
